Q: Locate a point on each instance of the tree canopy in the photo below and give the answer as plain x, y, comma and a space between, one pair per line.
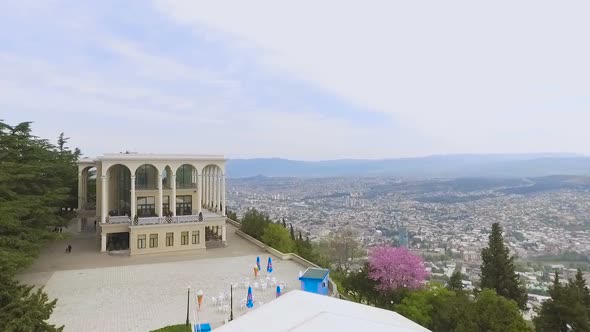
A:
276, 236
396, 268
442, 310
38, 191
567, 309
456, 282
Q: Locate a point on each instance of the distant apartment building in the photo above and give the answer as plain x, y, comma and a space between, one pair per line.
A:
150, 203
470, 256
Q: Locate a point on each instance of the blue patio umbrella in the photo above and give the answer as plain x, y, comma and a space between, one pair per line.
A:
250, 300
269, 265
258, 262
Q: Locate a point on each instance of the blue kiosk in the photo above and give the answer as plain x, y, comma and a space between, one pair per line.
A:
315, 280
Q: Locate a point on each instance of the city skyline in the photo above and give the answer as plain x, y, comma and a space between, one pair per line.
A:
385, 80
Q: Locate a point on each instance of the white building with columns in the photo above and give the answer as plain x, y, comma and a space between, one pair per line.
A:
148, 203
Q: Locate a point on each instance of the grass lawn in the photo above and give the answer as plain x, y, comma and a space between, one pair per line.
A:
175, 328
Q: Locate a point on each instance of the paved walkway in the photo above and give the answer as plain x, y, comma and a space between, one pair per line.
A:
96, 291
86, 254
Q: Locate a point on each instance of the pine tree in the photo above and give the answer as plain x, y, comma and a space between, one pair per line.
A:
566, 310
38, 183
61, 142
300, 237
284, 223
497, 269
292, 232
455, 282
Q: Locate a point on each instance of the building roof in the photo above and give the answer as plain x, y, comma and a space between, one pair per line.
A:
315, 273
128, 156
298, 311
157, 156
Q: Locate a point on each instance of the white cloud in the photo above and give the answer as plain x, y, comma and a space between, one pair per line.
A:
279, 79
477, 77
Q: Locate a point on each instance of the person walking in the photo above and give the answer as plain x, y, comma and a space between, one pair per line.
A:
69, 248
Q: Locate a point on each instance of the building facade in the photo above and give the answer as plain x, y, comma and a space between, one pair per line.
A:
148, 203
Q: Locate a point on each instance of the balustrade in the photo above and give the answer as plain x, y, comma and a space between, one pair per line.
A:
161, 220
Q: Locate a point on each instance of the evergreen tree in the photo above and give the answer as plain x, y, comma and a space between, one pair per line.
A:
254, 223
497, 269
300, 237
292, 231
284, 223
580, 283
61, 142
455, 282
38, 189
565, 311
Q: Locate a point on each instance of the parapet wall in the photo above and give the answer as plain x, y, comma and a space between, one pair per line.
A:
284, 256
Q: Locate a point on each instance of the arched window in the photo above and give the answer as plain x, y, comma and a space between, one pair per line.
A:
184, 176
146, 177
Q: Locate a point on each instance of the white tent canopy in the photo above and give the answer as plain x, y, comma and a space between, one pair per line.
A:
298, 311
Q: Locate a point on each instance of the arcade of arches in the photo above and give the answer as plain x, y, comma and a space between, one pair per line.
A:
134, 192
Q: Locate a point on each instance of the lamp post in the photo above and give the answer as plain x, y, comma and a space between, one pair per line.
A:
231, 302
188, 302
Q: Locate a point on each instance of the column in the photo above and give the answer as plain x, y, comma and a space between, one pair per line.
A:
218, 191
223, 233
133, 200
172, 202
218, 182
205, 187
208, 189
104, 202
84, 189
223, 210
215, 190
80, 191
103, 242
160, 197
199, 193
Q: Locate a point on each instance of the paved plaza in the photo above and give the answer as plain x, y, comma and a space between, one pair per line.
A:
98, 292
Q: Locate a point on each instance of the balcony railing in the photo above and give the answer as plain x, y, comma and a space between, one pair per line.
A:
160, 220
118, 220
168, 220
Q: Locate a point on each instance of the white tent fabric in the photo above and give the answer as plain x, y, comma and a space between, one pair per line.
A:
298, 311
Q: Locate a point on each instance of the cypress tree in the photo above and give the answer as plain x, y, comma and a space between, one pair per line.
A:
497, 269
284, 223
292, 232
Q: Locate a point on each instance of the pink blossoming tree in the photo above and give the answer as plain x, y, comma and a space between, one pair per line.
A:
396, 268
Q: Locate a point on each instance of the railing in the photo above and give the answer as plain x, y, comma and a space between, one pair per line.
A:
149, 220
172, 219
118, 220
168, 220
160, 220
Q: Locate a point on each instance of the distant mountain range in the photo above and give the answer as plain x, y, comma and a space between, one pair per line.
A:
485, 165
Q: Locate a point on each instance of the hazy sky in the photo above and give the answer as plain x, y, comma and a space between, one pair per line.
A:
302, 80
